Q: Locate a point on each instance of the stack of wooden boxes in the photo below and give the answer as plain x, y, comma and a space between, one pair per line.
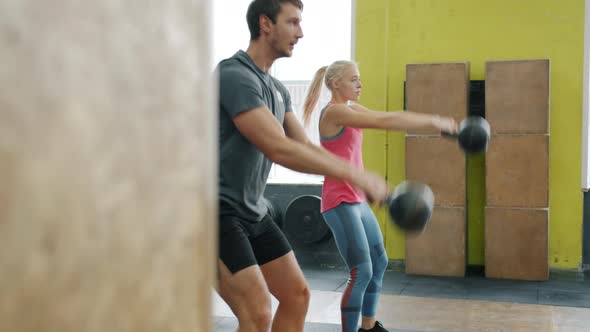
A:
438, 88
517, 170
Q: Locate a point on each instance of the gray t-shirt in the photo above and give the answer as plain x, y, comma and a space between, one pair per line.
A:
243, 169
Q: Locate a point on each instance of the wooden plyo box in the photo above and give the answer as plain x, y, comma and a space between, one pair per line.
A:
440, 249
517, 243
437, 88
517, 171
440, 163
517, 96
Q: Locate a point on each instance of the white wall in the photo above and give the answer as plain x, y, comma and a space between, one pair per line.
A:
325, 22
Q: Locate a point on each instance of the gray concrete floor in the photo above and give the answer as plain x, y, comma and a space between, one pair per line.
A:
564, 288
227, 324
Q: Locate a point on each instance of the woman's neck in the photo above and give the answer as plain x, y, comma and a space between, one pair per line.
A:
338, 100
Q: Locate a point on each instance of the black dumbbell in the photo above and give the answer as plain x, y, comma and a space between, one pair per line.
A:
410, 206
473, 135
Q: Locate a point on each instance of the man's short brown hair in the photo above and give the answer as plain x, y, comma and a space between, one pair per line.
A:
269, 8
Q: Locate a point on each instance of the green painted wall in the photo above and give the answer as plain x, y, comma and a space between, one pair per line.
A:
391, 34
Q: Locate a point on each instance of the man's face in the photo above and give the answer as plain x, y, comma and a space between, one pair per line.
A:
287, 30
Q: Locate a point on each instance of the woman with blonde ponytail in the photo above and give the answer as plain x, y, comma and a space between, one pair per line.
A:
352, 222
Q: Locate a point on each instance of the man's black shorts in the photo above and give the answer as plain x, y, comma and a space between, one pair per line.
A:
243, 243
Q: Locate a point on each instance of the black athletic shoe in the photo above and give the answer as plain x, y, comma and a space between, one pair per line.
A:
377, 328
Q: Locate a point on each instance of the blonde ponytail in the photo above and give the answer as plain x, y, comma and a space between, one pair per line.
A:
313, 94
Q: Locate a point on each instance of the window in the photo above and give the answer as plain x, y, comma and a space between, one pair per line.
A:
324, 22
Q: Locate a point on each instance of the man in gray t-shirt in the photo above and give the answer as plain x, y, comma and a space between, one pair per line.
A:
256, 128
243, 168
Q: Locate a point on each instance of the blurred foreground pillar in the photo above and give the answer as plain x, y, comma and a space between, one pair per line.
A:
107, 166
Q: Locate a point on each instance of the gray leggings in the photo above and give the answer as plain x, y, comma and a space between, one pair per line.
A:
360, 243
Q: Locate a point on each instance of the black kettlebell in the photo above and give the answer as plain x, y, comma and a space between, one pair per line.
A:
473, 134
410, 206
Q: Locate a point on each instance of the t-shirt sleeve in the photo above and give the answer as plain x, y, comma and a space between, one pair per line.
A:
238, 91
288, 105
286, 96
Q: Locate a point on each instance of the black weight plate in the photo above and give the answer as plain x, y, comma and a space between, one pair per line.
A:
303, 220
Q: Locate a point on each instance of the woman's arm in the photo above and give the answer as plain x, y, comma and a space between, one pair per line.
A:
359, 116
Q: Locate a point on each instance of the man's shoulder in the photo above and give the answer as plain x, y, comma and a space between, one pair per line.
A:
232, 65
233, 68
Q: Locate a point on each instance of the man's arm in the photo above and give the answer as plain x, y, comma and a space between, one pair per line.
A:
260, 127
294, 130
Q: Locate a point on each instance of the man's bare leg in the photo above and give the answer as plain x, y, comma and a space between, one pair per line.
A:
246, 293
287, 283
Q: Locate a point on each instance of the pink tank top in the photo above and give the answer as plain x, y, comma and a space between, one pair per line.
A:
347, 145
